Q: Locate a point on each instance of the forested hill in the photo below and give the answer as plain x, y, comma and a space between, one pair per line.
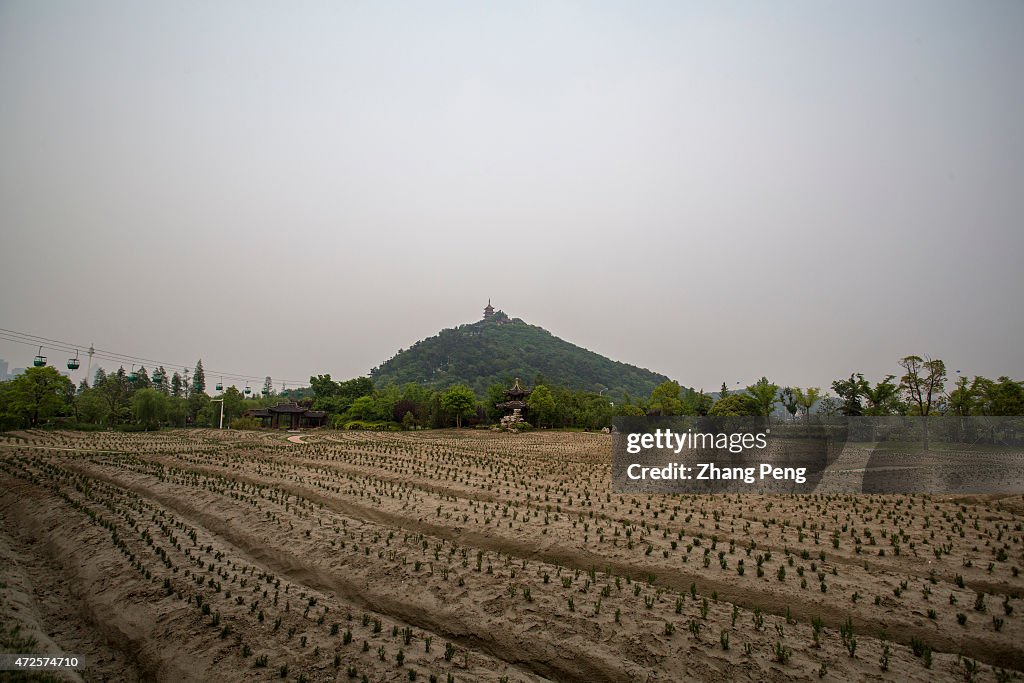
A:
495, 350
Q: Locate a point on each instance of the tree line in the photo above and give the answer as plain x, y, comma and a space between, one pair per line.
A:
136, 400
124, 400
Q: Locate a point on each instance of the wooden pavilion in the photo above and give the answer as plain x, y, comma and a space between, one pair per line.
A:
297, 417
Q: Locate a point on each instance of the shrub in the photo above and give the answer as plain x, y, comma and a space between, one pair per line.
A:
244, 423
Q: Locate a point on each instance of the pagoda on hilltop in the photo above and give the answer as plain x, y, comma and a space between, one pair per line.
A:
495, 316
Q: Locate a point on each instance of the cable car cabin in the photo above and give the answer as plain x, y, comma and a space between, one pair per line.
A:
132, 377
248, 391
220, 387
73, 364
39, 361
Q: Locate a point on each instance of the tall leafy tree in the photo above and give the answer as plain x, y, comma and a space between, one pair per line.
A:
542, 405
37, 394
806, 398
665, 400
1001, 397
164, 385
962, 399
850, 392
91, 408
883, 398
766, 395
788, 399
176, 385
495, 395
268, 386
735, 405
458, 401
232, 404
115, 392
197, 403
199, 379
363, 408
149, 407
922, 382
141, 380
696, 402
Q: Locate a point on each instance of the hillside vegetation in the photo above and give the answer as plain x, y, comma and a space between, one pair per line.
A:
489, 351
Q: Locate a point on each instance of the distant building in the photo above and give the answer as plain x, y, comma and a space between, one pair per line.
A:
15, 372
515, 398
3, 369
513, 407
297, 416
489, 311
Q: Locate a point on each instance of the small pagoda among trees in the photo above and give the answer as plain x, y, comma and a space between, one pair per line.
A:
513, 405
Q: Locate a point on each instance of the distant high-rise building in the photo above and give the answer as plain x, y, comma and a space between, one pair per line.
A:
3, 369
15, 372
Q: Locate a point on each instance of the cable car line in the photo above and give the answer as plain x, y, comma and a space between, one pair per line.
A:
115, 357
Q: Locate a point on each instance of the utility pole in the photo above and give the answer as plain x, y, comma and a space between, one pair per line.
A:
88, 371
221, 402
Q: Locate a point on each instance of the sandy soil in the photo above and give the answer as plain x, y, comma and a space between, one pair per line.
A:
189, 555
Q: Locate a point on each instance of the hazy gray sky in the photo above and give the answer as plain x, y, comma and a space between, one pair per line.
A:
715, 191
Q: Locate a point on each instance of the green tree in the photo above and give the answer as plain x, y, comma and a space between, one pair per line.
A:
197, 403
1002, 397
418, 398
363, 408
37, 394
176, 385
806, 398
163, 385
199, 379
323, 386
115, 392
268, 386
495, 395
458, 401
829, 406
963, 398
696, 402
177, 411
922, 382
149, 407
665, 400
789, 402
850, 392
233, 407
90, 407
141, 380
883, 398
542, 405
735, 405
766, 395
630, 410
